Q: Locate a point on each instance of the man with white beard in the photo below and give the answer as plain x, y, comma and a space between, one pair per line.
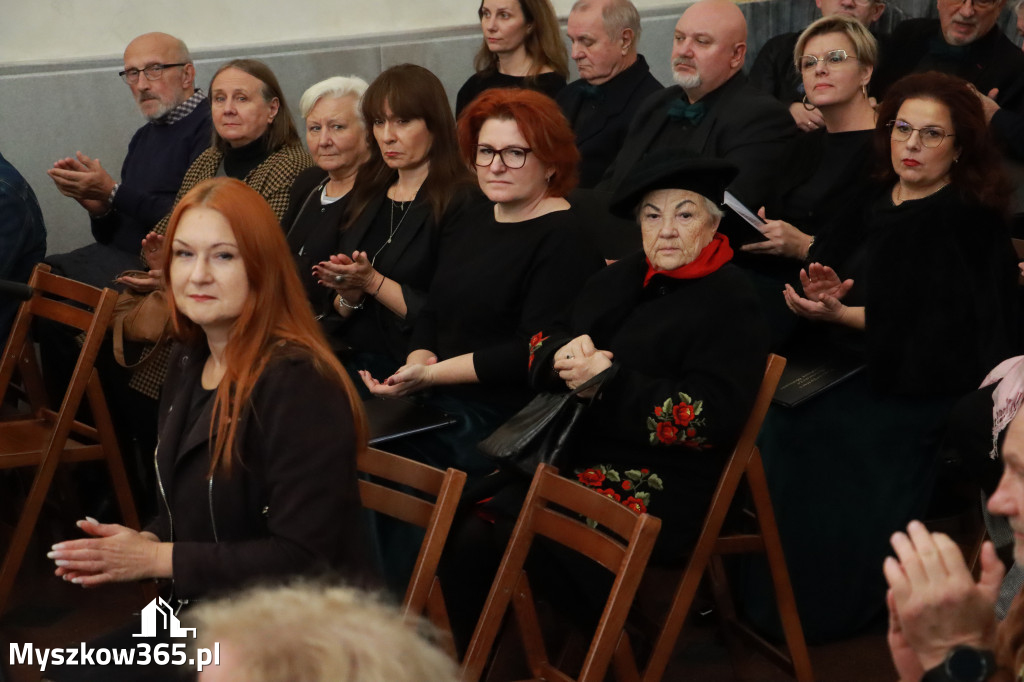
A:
712, 111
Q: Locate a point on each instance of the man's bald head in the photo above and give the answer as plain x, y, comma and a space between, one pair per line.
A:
709, 46
175, 83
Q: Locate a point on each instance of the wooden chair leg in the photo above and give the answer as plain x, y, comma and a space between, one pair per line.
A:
784, 597
112, 453
26, 525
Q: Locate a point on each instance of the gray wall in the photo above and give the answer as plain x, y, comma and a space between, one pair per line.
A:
51, 110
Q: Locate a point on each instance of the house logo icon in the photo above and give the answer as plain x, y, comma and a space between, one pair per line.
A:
159, 613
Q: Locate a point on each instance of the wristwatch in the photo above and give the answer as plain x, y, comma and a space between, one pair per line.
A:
963, 664
113, 193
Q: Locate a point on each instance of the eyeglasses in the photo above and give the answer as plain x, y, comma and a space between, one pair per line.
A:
512, 157
833, 58
153, 72
982, 4
930, 136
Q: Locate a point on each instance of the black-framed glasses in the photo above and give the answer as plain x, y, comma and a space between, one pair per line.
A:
831, 58
512, 157
930, 136
153, 72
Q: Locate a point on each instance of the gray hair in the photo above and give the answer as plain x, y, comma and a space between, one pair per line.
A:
618, 15
1018, 6
336, 86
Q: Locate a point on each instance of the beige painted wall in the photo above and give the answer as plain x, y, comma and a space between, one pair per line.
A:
58, 30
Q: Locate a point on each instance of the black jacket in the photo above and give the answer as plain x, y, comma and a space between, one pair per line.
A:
291, 504
600, 122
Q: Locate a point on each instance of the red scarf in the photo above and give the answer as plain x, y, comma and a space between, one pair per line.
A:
713, 256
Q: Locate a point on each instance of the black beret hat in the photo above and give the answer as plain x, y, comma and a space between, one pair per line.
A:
671, 169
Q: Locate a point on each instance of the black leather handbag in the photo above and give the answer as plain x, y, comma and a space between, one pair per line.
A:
541, 431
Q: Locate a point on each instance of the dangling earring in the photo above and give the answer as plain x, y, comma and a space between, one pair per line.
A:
807, 105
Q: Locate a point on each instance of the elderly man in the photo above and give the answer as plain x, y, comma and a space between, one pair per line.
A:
160, 74
712, 111
773, 70
614, 79
966, 42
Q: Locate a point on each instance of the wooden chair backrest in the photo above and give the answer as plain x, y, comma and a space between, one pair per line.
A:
621, 542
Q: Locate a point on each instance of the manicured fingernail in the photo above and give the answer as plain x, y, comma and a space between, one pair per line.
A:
62, 562
51, 555
91, 519
76, 580
59, 545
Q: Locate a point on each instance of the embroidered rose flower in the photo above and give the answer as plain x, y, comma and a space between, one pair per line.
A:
608, 492
682, 414
636, 505
591, 477
666, 432
536, 341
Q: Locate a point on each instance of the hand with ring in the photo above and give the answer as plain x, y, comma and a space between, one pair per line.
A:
579, 360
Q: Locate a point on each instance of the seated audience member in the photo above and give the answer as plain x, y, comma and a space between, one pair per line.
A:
22, 238
831, 167
252, 386
336, 139
712, 111
614, 79
678, 329
930, 307
942, 623
405, 201
254, 140
966, 42
161, 77
773, 71
316, 633
522, 48
509, 269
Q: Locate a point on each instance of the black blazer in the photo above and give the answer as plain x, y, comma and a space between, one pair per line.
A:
291, 504
600, 135
743, 125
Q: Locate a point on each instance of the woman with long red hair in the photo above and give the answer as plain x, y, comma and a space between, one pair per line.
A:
259, 423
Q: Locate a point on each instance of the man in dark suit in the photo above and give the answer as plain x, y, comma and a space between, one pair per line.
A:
712, 111
614, 79
966, 42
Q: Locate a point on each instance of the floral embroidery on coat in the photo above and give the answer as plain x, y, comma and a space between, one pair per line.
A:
536, 341
632, 488
678, 423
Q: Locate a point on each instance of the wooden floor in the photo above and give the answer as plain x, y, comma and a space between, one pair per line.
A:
49, 612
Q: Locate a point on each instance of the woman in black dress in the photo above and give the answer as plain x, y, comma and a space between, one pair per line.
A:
405, 199
522, 48
929, 309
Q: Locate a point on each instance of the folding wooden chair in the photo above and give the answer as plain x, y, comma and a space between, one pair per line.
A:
621, 542
745, 462
383, 493
47, 437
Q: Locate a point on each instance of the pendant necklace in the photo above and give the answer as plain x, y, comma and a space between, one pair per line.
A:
392, 228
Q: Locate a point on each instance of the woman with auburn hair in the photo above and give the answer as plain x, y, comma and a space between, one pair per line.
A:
259, 424
522, 48
405, 198
928, 309
509, 269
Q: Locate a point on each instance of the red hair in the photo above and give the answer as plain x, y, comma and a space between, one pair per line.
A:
540, 121
275, 315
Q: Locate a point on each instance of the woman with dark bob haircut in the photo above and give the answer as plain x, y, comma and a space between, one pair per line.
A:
405, 198
522, 47
510, 268
929, 308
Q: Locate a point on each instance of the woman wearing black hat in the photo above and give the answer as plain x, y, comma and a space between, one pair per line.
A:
682, 332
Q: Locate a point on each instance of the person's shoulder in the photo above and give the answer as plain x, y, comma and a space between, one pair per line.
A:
294, 367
